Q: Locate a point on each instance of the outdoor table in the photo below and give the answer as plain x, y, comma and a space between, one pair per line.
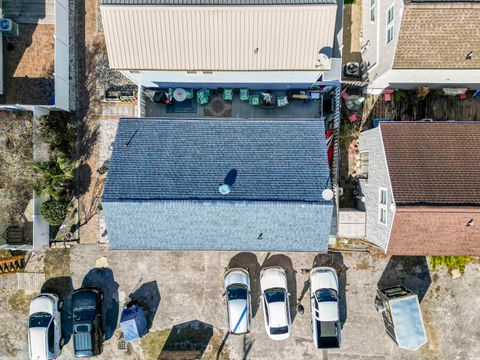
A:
179, 94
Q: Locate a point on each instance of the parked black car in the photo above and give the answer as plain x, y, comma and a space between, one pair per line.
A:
87, 321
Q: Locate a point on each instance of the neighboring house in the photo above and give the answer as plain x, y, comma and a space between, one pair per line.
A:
35, 55
218, 184
420, 187
411, 43
272, 44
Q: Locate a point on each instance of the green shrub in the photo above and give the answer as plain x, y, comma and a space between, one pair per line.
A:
451, 262
58, 131
55, 178
54, 211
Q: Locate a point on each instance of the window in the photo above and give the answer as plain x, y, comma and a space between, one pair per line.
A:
191, 72
382, 206
363, 173
372, 10
390, 22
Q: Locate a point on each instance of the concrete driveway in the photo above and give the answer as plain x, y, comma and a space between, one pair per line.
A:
184, 287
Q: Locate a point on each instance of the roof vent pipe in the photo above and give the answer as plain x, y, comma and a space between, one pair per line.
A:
224, 189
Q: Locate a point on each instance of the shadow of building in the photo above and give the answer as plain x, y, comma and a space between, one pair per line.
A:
187, 341
409, 271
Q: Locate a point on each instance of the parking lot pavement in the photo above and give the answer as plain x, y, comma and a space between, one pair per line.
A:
188, 286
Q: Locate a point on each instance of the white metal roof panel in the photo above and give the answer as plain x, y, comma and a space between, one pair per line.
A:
219, 38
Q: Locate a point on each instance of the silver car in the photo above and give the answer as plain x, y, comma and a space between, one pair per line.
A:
237, 293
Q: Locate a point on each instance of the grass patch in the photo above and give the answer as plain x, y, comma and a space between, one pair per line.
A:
451, 262
19, 302
152, 344
56, 263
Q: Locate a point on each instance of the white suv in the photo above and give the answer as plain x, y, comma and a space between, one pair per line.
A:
276, 307
45, 339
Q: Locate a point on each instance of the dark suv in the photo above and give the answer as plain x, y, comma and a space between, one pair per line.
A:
87, 321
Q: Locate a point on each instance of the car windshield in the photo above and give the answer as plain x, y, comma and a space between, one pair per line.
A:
326, 295
82, 328
279, 330
275, 295
237, 292
85, 313
40, 320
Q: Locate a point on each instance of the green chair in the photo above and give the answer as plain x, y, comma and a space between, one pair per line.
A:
189, 93
244, 95
228, 94
202, 96
282, 101
254, 100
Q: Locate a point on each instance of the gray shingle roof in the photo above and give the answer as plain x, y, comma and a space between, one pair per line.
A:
189, 159
217, 2
162, 189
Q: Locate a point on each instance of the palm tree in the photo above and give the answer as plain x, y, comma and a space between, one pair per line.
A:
56, 176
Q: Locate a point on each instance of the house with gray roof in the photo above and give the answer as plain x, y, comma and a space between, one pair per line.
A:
219, 184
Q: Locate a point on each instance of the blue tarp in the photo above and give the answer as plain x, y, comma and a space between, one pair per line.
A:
133, 322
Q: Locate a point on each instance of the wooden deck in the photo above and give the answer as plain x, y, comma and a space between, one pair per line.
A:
434, 106
29, 11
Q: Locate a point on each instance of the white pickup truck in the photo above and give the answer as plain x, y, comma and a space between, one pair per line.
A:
326, 325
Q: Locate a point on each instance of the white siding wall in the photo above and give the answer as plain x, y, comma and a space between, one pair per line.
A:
223, 78
62, 55
377, 52
378, 177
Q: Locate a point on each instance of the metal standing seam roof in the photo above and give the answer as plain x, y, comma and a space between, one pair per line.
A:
216, 2
219, 38
162, 190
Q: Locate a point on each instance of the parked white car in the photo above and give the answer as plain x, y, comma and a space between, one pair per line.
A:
326, 325
237, 293
45, 339
276, 306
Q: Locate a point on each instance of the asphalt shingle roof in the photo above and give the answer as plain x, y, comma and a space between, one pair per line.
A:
162, 188
189, 159
433, 162
439, 35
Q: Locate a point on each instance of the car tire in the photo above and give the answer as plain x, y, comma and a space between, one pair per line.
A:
62, 342
60, 304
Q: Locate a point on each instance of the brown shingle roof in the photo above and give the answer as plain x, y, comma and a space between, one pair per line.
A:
439, 36
430, 231
433, 162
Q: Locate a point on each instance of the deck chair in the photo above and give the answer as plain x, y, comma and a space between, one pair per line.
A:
254, 100
244, 94
228, 94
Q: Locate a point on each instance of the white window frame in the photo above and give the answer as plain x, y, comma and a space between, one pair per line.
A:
389, 33
373, 10
382, 206
361, 172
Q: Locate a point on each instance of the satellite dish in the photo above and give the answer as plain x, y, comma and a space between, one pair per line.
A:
327, 194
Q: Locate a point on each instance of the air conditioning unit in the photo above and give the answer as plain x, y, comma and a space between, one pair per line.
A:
352, 69
8, 27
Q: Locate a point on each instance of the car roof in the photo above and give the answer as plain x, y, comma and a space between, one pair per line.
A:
277, 314
38, 343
